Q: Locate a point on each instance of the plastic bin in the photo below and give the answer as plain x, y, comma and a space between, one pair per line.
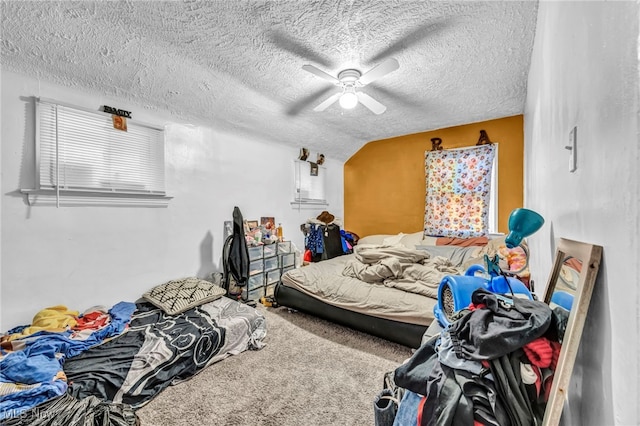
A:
269, 250
254, 294
255, 281
255, 253
255, 267
284, 247
288, 259
270, 263
273, 276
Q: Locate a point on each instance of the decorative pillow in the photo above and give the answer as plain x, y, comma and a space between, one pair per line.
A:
177, 296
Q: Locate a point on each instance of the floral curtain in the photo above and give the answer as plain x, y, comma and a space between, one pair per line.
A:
458, 188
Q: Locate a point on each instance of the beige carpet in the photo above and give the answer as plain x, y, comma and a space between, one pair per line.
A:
311, 372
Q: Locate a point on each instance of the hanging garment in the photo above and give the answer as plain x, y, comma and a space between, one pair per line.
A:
324, 241
332, 241
238, 251
314, 240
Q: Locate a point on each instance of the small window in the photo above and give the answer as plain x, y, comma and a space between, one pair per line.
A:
81, 155
493, 194
309, 184
461, 194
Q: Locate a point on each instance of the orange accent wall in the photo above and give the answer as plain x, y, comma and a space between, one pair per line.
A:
384, 182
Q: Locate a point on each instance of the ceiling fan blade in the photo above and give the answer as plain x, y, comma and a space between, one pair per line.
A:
375, 106
378, 71
411, 38
318, 72
407, 100
302, 104
288, 43
325, 104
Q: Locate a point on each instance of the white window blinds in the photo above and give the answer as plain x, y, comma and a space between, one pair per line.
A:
309, 187
80, 150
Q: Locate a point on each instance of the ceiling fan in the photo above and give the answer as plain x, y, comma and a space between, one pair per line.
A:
351, 79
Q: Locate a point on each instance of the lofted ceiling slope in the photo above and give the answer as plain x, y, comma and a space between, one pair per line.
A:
237, 65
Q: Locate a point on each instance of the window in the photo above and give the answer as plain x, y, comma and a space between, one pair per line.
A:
459, 192
309, 184
83, 159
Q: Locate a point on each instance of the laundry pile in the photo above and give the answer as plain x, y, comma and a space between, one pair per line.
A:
32, 356
493, 366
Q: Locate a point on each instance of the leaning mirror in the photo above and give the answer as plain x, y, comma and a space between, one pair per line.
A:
568, 293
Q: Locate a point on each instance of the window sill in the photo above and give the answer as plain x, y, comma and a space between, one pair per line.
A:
309, 204
37, 197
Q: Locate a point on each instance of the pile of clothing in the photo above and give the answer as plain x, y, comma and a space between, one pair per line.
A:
32, 356
493, 366
323, 238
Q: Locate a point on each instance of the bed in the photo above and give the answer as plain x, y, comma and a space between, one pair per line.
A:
102, 374
397, 309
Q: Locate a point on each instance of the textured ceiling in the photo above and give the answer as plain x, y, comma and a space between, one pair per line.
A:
236, 64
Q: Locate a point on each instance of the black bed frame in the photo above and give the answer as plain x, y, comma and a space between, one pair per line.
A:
403, 333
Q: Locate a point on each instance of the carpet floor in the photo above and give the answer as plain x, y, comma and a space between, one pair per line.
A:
311, 372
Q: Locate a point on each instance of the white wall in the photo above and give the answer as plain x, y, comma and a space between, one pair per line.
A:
85, 256
584, 73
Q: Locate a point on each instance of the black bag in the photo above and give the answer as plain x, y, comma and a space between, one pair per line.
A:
386, 403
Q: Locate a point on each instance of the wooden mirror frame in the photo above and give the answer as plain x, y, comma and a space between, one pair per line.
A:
590, 256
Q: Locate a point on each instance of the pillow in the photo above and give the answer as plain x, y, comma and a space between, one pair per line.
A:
411, 240
177, 296
428, 241
375, 239
393, 240
407, 240
463, 242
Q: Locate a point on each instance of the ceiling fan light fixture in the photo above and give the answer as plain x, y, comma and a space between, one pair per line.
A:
349, 99
350, 79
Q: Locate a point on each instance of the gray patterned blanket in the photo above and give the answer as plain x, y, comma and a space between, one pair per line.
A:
159, 350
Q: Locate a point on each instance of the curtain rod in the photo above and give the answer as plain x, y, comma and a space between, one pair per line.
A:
436, 143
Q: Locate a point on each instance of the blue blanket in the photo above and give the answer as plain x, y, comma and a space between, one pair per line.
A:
39, 364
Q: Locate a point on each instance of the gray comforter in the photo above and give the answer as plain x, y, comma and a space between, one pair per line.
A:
407, 269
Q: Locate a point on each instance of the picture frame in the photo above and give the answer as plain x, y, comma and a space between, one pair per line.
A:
252, 224
269, 223
119, 123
